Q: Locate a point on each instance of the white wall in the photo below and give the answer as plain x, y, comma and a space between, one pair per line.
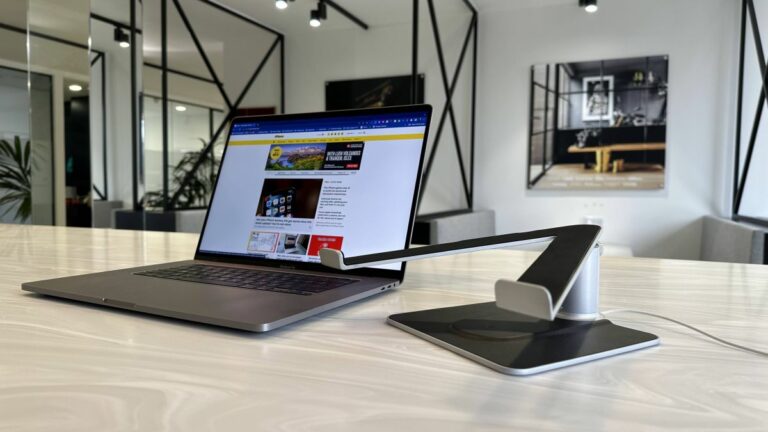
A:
699, 36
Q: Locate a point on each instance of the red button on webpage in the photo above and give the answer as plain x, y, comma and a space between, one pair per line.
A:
318, 242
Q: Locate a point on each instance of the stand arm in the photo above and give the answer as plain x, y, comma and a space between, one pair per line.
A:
541, 289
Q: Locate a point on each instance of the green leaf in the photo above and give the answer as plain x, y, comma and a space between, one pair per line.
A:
27, 152
15, 178
17, 151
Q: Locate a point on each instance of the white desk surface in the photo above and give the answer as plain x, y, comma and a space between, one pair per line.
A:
65, 366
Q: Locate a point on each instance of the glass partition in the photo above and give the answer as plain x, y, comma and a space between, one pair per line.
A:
159, 121
26, 97
218, 63
116, 77
190, 127
58, 59
749, 200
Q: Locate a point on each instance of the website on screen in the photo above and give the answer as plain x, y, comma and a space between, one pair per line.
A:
289, 188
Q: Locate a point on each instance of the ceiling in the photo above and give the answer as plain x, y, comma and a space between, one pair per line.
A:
221, 35
68, 19
218, 30
65, 19
372, 12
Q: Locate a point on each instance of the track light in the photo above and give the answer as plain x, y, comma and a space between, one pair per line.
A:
589, 5
281, 4
317, 15
122, 38
314, 18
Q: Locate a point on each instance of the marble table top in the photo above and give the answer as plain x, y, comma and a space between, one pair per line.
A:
66, 366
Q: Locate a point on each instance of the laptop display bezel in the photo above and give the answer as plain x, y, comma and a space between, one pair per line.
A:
280, 263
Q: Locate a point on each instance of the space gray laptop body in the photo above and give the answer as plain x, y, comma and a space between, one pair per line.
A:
288, 186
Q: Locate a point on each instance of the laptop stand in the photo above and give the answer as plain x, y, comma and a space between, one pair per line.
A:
547, 319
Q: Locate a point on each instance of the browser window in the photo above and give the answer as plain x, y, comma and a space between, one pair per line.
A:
289, 188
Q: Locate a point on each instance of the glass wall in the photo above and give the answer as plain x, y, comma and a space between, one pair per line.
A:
116, 77
216, 66
59, 111
190, 127
15, 163
26, 93
88, 72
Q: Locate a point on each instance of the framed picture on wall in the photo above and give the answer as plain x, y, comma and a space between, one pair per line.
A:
599, 124
597, 101
372, 92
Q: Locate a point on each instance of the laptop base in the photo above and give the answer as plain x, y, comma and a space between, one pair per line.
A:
517, 344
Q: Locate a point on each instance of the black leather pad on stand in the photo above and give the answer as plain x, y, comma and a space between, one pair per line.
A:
516, 344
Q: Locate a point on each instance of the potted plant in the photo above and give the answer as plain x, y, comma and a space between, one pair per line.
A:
199, 187
16, 178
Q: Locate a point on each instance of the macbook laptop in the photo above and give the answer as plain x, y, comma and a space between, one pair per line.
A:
288, 186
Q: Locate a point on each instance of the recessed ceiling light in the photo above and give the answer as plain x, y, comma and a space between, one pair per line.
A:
281, 4
180, 108
75, 87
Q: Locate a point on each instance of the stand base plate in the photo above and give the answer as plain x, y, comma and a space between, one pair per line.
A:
516, 344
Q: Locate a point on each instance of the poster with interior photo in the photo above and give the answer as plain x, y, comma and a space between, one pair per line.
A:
599, 125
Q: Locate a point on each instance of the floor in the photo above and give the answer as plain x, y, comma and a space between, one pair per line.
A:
575, 176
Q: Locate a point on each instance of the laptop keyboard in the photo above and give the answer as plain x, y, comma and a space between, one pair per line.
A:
289, 283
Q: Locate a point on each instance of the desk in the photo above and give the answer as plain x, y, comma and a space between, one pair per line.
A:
603, 153
66, 366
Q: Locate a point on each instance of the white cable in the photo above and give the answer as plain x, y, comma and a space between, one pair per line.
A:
722, 341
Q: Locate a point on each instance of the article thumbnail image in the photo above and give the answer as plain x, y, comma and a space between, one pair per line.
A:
289, 198
293, 244
264, 242
296, 157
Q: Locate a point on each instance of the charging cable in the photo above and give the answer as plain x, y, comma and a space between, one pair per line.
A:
713, 337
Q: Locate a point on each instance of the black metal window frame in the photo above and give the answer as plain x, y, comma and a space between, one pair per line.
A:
449, 86
547, 130
740, 176
171, 200
101, 58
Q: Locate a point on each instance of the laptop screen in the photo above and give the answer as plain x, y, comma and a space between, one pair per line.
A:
289, 187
